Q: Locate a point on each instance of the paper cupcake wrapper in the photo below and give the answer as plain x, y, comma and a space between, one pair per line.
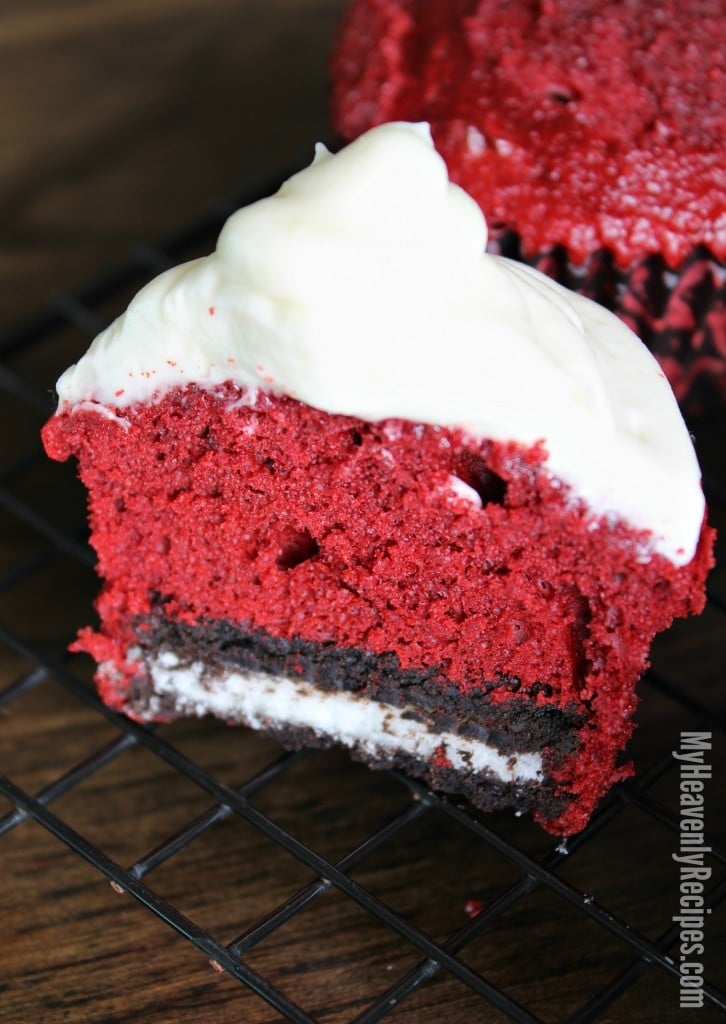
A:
680, 314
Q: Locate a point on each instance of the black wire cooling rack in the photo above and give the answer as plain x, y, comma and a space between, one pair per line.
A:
597, 911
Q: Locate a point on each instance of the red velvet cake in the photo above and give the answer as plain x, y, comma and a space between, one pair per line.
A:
351, 480
591, 132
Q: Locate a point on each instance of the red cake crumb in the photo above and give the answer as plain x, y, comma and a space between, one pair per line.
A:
473, 908
595, 124
304, 524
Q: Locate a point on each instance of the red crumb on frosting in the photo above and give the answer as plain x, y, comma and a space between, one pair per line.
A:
281, 517
440, 760
589, 123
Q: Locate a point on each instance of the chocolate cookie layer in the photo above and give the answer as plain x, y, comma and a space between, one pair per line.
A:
513, 726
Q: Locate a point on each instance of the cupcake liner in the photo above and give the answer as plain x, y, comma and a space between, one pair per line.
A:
679, 313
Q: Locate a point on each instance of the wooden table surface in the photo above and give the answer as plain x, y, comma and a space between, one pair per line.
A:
120, 121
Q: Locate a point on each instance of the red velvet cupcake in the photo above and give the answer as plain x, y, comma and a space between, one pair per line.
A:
353, 480
592, 136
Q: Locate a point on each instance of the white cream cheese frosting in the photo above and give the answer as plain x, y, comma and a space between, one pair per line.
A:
362, 287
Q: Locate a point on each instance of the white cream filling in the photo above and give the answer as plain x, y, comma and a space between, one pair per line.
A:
261, 700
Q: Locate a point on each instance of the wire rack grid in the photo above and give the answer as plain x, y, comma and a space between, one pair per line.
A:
629, 958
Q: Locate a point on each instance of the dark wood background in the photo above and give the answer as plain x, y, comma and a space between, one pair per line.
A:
121, 118
119, 121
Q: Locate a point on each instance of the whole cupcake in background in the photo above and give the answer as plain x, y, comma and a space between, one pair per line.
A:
591, 133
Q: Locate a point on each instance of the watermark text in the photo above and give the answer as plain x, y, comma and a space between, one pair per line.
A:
694, 873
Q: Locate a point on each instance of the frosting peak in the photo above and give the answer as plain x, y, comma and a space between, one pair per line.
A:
362, 287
